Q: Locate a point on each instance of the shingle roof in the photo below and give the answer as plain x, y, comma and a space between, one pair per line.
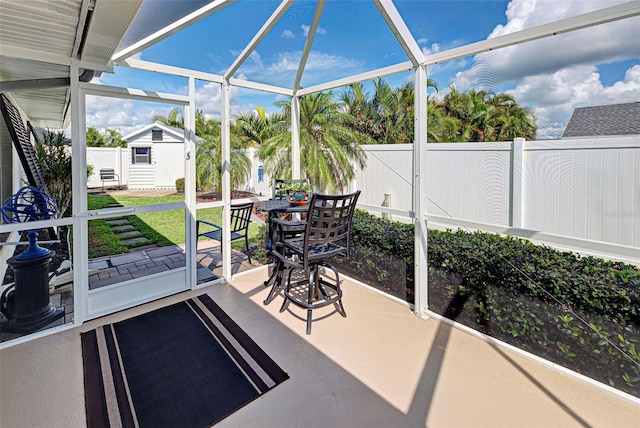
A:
615, 119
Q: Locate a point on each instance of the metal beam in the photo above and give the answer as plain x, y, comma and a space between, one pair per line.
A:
421, 285
18, 85
295, 138
171, 29
363, 77
260, 86
225, 92
133, 94
602, 16
155, 67
400, 30
307, 44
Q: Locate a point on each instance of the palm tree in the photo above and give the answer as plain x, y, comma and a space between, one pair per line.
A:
174, 118
209, 164
255, 127
387, 116
209, 151
114, 138
328, 147
484, 116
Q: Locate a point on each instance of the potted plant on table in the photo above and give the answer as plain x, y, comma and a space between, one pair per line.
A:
298, 192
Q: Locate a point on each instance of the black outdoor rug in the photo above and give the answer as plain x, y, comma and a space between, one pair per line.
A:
185, 365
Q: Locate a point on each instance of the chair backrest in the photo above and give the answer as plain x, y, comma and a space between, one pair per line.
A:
279, 185
241, 216
107, 174
329, 219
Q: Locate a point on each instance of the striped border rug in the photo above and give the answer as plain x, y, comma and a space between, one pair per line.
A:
185, 365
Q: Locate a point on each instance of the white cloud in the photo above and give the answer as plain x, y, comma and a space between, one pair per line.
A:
287, 34
428, 50
209, 99
284, 66
555, 96
559, 73
306, 28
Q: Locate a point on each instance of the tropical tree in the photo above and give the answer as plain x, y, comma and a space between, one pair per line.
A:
253, 128
54, 156
174, 118
113, 138
485, 116
387, 116
209, 152
328, 147
209, 164
94, 138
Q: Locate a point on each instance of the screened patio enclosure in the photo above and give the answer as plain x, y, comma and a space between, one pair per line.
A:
109, 40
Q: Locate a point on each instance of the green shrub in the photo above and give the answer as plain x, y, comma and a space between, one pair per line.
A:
180, 185
580, 312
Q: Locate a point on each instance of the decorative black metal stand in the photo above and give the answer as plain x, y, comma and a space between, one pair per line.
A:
32, 309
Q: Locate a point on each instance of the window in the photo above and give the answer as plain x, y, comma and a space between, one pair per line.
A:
260, 174
140, 155
156, 135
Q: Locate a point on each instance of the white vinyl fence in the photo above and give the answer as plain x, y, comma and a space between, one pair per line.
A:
575, 193
587, 190
114, 158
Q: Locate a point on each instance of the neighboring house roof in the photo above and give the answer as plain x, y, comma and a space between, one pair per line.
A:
615, 119
177, 132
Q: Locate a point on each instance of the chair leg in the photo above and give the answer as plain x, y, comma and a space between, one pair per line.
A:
276, 276
246, 242
313, 284
285, 304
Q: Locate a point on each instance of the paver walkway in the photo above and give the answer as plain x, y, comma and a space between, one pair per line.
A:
124, 230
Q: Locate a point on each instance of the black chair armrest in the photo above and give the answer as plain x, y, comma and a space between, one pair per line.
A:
217, 227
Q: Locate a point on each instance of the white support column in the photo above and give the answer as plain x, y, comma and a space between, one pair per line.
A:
516, 216
295, 137
79, 193
420, 192
226, 182
190, 182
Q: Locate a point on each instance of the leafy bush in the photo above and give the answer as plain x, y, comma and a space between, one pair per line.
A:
54, 157
180, 185
532, 296
607, 288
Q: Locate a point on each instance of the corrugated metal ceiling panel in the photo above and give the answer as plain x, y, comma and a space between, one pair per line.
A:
52, 28
40, 24
108, 26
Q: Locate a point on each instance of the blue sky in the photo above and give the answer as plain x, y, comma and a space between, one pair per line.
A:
552, 76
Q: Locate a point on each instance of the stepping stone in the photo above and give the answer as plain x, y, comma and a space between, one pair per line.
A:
127, 234
127, 258
134, 240
117, 221
123, 227
164, 251
101, 264
143, 248
204, 274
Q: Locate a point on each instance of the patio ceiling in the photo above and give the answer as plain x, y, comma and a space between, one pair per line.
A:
40, 39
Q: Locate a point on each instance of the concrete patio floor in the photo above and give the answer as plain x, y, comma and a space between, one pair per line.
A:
379, 367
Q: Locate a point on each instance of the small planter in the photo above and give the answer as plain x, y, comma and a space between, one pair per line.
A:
299, 197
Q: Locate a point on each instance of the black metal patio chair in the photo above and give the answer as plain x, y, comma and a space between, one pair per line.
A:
240, 219
325, 234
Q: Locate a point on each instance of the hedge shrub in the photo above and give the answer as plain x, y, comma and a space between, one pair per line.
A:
532, 296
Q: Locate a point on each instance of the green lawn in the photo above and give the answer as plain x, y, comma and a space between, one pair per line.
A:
162, 228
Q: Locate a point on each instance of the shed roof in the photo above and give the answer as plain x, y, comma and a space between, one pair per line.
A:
597, 121
177, 132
